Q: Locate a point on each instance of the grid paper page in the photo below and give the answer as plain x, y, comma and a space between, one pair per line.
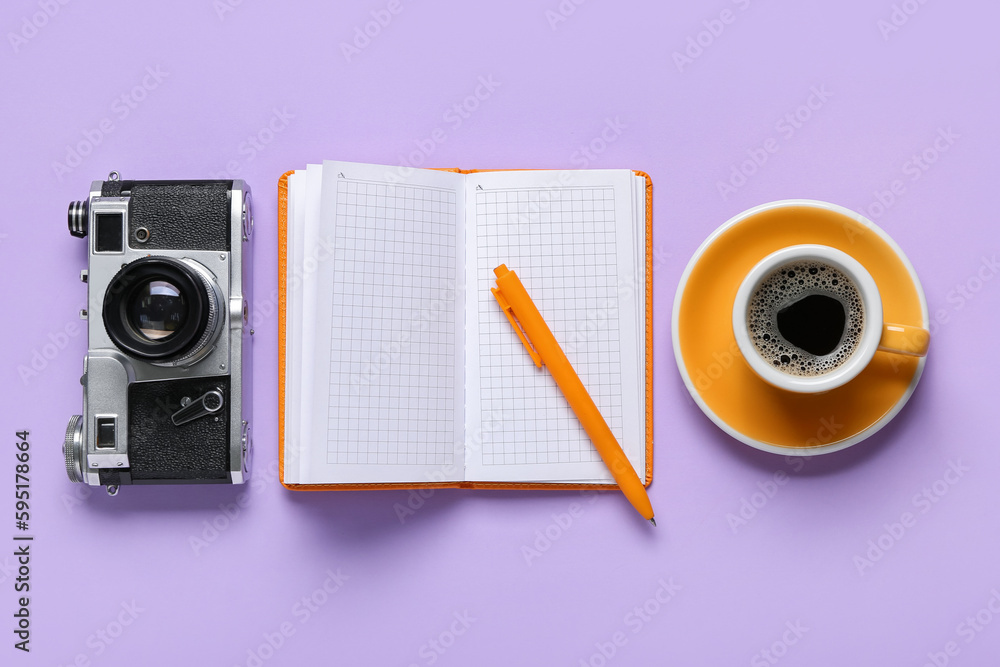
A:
389, 350
392, 397
568, 244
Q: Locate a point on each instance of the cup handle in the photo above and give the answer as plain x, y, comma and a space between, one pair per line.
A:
904, 339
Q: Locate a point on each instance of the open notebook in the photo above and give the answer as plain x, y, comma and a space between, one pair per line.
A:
399, 368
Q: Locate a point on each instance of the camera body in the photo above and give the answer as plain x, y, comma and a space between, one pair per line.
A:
167, 383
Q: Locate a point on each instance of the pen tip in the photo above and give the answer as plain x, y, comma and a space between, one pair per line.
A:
653, 521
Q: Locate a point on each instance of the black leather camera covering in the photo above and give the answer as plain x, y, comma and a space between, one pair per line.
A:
158, 450
180, 215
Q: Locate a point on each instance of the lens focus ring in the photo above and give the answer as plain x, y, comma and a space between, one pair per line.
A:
211, 326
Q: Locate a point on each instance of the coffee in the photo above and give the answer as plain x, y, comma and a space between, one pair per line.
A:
806, 318
814, 323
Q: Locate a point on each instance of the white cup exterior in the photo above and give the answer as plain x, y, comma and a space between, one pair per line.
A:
863, 353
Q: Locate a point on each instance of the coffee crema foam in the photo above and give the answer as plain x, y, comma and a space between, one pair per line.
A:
787, 285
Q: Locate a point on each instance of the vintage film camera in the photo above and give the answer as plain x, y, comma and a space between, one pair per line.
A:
167, 384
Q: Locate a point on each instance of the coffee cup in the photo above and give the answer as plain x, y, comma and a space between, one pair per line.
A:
808, 318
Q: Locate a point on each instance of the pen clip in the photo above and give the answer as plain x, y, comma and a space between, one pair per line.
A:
509, 312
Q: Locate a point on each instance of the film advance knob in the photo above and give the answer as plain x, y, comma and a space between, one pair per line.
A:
77, 218
206, 404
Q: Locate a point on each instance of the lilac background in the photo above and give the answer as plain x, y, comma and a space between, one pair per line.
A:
793, 562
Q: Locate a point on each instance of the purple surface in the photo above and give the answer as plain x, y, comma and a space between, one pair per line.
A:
794, 564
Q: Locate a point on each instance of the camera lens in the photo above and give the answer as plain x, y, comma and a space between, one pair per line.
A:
163, 310
157, 310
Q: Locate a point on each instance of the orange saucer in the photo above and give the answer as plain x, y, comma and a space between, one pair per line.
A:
720, 380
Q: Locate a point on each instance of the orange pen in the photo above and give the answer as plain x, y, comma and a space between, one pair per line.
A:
544, 349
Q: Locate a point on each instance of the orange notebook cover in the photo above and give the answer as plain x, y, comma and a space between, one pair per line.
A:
282, 307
